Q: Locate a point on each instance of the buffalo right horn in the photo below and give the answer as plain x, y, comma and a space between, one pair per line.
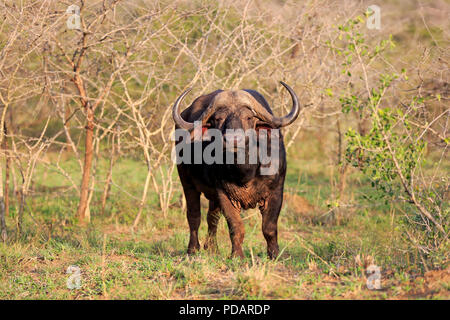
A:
179, 121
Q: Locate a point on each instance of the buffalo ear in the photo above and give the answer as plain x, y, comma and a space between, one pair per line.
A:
204, 133
263, 126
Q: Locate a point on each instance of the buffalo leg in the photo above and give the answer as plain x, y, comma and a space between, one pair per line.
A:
270, 212
212, 218
194, 218
235, 225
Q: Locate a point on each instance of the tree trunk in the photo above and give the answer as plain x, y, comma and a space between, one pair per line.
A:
107, 187
144, 196
21, 208
83, 212
4, 206
7, 166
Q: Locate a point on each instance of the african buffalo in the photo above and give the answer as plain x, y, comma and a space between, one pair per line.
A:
232, 187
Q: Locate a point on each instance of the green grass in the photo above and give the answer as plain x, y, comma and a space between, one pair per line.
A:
317, 260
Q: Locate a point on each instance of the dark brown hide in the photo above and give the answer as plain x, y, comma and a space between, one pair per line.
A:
232, 187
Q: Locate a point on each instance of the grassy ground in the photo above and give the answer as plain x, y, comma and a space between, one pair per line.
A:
324, 252
325, 247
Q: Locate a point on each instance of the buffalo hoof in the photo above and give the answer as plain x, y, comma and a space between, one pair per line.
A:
211, 246
273, 254
237, 254
192, 250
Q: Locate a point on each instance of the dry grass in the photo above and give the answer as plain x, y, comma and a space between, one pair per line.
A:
134, 61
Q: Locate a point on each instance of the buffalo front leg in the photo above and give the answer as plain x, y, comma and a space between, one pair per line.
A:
270, 212
235, 225
194, 218
212, 218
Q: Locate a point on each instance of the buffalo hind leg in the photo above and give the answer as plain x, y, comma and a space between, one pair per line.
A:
194, 218
212, 218
270, 213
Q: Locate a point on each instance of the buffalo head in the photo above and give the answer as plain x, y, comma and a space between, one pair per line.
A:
237, 110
